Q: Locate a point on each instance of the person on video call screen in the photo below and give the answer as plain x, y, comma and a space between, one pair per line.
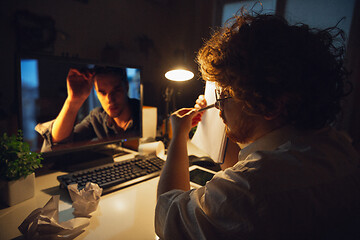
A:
118, 115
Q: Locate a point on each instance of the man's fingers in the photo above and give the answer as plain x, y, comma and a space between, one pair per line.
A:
200, 102
195, 120
184, 112
89, 75
197, 106
73, 72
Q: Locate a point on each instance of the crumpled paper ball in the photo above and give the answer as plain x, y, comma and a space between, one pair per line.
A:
43, 223
86, 200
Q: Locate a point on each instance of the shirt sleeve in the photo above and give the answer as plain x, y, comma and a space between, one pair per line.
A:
44, 129
81, 131
222, 209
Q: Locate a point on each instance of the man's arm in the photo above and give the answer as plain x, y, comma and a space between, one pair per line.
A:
79, 86
175, 173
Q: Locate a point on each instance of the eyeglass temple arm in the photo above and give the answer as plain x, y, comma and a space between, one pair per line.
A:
207, 107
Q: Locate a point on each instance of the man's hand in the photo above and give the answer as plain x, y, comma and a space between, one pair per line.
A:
79, 85
200, 102
183, 120
175, 173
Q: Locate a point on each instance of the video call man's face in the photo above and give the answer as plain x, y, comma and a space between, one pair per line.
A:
112, 94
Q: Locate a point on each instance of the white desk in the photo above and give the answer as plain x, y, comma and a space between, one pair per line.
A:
124, 214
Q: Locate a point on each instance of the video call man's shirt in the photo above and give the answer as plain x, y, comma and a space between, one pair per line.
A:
286, 185
97, 125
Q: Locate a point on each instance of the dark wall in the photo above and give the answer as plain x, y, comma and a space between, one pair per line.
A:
151, 33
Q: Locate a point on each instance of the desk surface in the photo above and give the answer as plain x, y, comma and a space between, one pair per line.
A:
124, 214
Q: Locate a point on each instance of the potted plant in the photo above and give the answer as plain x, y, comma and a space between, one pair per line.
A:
17, 167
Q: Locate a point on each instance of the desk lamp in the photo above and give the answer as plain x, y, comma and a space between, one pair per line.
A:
177, 75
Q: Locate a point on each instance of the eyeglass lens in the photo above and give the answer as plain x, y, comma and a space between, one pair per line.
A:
220, 96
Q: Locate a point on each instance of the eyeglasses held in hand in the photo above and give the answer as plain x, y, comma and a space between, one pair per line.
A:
220, 96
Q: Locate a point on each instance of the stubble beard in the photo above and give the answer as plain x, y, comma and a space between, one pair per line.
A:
243, 132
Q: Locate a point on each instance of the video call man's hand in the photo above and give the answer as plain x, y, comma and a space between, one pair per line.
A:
79, 84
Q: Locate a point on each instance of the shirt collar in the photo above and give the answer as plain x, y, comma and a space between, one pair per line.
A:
129, 124
111, 123
269, 141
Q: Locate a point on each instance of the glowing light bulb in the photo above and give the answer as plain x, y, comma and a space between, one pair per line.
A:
179, 75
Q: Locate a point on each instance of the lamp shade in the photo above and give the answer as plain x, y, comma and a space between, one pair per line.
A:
179, 75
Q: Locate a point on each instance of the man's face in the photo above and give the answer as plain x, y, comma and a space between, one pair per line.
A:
240, 127
112, 94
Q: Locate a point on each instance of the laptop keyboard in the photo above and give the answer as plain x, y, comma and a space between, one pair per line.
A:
113, 176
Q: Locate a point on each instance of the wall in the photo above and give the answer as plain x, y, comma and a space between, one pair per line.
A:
149, 33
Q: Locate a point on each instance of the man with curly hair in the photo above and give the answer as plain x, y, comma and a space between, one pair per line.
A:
279, 88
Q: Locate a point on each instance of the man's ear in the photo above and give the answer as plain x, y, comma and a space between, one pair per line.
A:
278, 111
271, 116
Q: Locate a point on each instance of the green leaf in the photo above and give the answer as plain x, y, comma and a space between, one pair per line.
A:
16, 159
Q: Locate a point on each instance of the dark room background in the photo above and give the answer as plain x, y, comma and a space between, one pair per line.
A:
154, 34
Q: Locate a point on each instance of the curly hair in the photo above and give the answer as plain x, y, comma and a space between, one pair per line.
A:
268, 64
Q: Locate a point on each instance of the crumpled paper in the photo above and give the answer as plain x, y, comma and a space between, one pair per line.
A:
86, 200
43, 223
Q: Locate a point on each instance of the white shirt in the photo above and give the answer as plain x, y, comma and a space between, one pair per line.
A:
286, 185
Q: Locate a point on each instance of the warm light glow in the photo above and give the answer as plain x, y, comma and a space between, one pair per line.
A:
179, 75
